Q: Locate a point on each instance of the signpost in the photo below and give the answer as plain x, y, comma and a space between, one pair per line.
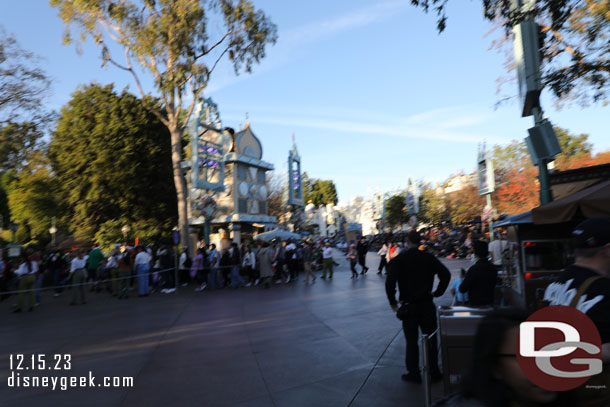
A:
542, 142
487, 185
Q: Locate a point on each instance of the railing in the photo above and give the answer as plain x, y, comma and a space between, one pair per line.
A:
427, 383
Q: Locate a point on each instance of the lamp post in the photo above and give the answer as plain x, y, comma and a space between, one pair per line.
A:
13, 227
52, 231
125, 229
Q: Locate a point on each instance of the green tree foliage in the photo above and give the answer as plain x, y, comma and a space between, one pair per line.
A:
23, 118
112, 160
17, 142
323, 192
34, 199
396, 211
575, 46
465, 205
516, 157
432, 206
516, 177
573, 145
5, 181
172, 41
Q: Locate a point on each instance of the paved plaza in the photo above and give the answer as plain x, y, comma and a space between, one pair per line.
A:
331, 343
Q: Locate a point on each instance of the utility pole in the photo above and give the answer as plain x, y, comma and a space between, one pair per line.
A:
542, 142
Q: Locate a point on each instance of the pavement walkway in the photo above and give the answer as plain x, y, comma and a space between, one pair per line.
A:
331, 343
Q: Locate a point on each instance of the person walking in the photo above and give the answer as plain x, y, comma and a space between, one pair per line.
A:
249, 264
414, 271
236, 280
352, 256
198, 269
362, 248
142, 266
327, 260
291, 259
112, 265
184, 265
166, 258
94, 262
214, 261
279, 257
265, 259
382, 257
307, 257
27, 282
56, 267
124, 273
78, 275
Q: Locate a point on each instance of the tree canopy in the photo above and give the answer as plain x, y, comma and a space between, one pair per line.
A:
396, 210
112, 161
575, 47
34, 199
516, 177
173, 42
319, 192
432, 206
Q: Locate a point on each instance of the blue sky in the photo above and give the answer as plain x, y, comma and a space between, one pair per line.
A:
372, 92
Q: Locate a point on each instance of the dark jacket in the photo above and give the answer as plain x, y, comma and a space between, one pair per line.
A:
595, 302
480, 283
414, 271
362, 248
235, 258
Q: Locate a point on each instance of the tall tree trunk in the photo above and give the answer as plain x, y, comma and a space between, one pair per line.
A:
180, 184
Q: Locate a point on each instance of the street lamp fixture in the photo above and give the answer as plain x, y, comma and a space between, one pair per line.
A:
52, 231
125, 229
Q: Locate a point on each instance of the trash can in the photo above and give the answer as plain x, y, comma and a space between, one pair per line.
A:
458, 326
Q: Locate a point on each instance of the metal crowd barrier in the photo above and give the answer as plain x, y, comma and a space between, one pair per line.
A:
426, 370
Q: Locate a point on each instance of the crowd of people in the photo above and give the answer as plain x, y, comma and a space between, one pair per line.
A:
411, 263
147, 269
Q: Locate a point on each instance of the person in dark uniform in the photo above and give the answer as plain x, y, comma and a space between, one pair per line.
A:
480, 280
414, 271
362, 248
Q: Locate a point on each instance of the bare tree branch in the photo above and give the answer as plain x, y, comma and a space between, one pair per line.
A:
150, 108
217, 61
224, 37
